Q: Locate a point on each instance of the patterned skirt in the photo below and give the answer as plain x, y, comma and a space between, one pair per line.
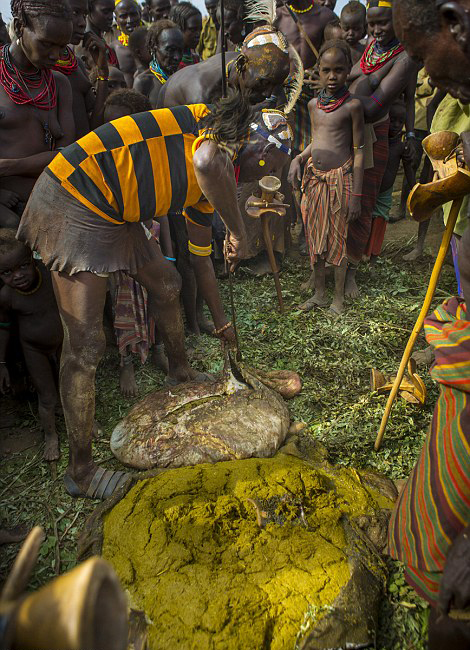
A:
434, 507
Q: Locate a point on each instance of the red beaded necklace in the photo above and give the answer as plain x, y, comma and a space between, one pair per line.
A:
67, 63
17, 85
112, 58
372, 59
330, 103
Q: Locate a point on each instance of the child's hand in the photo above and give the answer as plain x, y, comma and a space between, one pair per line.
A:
294, 176
4, 379
354, 211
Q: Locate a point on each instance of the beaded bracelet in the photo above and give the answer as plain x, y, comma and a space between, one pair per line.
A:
102, 78
170, 259
222, 329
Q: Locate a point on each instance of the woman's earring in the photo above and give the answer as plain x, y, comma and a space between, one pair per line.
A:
261, 163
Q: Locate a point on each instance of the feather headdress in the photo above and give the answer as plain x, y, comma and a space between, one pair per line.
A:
260, 11
294, 83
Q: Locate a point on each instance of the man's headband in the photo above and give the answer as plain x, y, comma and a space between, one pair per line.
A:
379, 3
273, 120
264, 36
117, 2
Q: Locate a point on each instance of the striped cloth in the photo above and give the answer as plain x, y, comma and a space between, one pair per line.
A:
324, 206
359, 230
380, 218
137, 167
133, 325
434, 506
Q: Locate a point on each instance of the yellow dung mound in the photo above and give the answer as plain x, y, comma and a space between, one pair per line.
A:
244, 554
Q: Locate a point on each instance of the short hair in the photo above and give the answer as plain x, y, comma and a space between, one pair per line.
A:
155, 30
137, 39
23, 9
8, 241
129, 98
335, 24
423, 14
182, 12
336, 44
355, 8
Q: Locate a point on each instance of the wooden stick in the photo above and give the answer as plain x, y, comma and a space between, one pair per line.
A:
272, 260
454, 213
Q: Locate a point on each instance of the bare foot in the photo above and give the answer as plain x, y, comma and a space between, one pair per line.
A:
337, 307
351, 289
127, 381
159, 358
259, 268
180, 376
318, 300
51, 450
413, 255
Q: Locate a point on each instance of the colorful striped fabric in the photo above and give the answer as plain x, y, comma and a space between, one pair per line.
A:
137, 167
324, 205
434, 506
359, 230
302, 126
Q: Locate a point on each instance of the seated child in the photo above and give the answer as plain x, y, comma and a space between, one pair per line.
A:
354, 28
332, 180
397, 153
27, 298
133, 326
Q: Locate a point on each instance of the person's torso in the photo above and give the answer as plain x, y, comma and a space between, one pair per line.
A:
135, 168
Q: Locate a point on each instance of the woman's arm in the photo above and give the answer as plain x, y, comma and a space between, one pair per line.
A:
357, 117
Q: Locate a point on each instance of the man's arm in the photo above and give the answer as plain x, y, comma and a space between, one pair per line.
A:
216, 178
97, 49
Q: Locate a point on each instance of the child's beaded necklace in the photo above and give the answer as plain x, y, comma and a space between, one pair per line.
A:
330, 103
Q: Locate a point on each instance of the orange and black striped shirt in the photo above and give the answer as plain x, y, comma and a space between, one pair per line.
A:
137, 167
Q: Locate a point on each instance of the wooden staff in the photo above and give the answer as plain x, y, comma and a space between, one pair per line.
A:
454, 213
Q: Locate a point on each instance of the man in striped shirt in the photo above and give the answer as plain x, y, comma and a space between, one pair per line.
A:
85, 219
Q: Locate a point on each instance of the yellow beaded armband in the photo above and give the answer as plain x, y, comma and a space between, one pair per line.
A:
201, 251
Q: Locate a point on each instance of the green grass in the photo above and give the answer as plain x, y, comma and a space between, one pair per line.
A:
333, 357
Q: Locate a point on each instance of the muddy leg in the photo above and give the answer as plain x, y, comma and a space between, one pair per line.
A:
337, 306
163, 284
80, 299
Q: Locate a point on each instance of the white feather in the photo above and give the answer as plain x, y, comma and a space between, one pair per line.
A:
259, 11
295, 86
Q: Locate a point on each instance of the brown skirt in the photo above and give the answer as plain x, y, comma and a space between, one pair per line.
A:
71, 238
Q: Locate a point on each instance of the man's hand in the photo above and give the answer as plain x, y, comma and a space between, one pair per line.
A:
412, 152
4, 379
9, 198
235, 250
294, 176
354, 210
454, 591
97, 49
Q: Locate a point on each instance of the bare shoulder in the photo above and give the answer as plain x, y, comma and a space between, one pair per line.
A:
209, 157
325, 15
61, 80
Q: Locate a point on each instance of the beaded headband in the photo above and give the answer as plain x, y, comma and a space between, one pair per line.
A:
117, 2
372, 4
264, 36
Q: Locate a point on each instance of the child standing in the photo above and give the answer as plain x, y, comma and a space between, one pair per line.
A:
332, 181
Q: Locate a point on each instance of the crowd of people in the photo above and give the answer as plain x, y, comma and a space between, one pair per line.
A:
129, 151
